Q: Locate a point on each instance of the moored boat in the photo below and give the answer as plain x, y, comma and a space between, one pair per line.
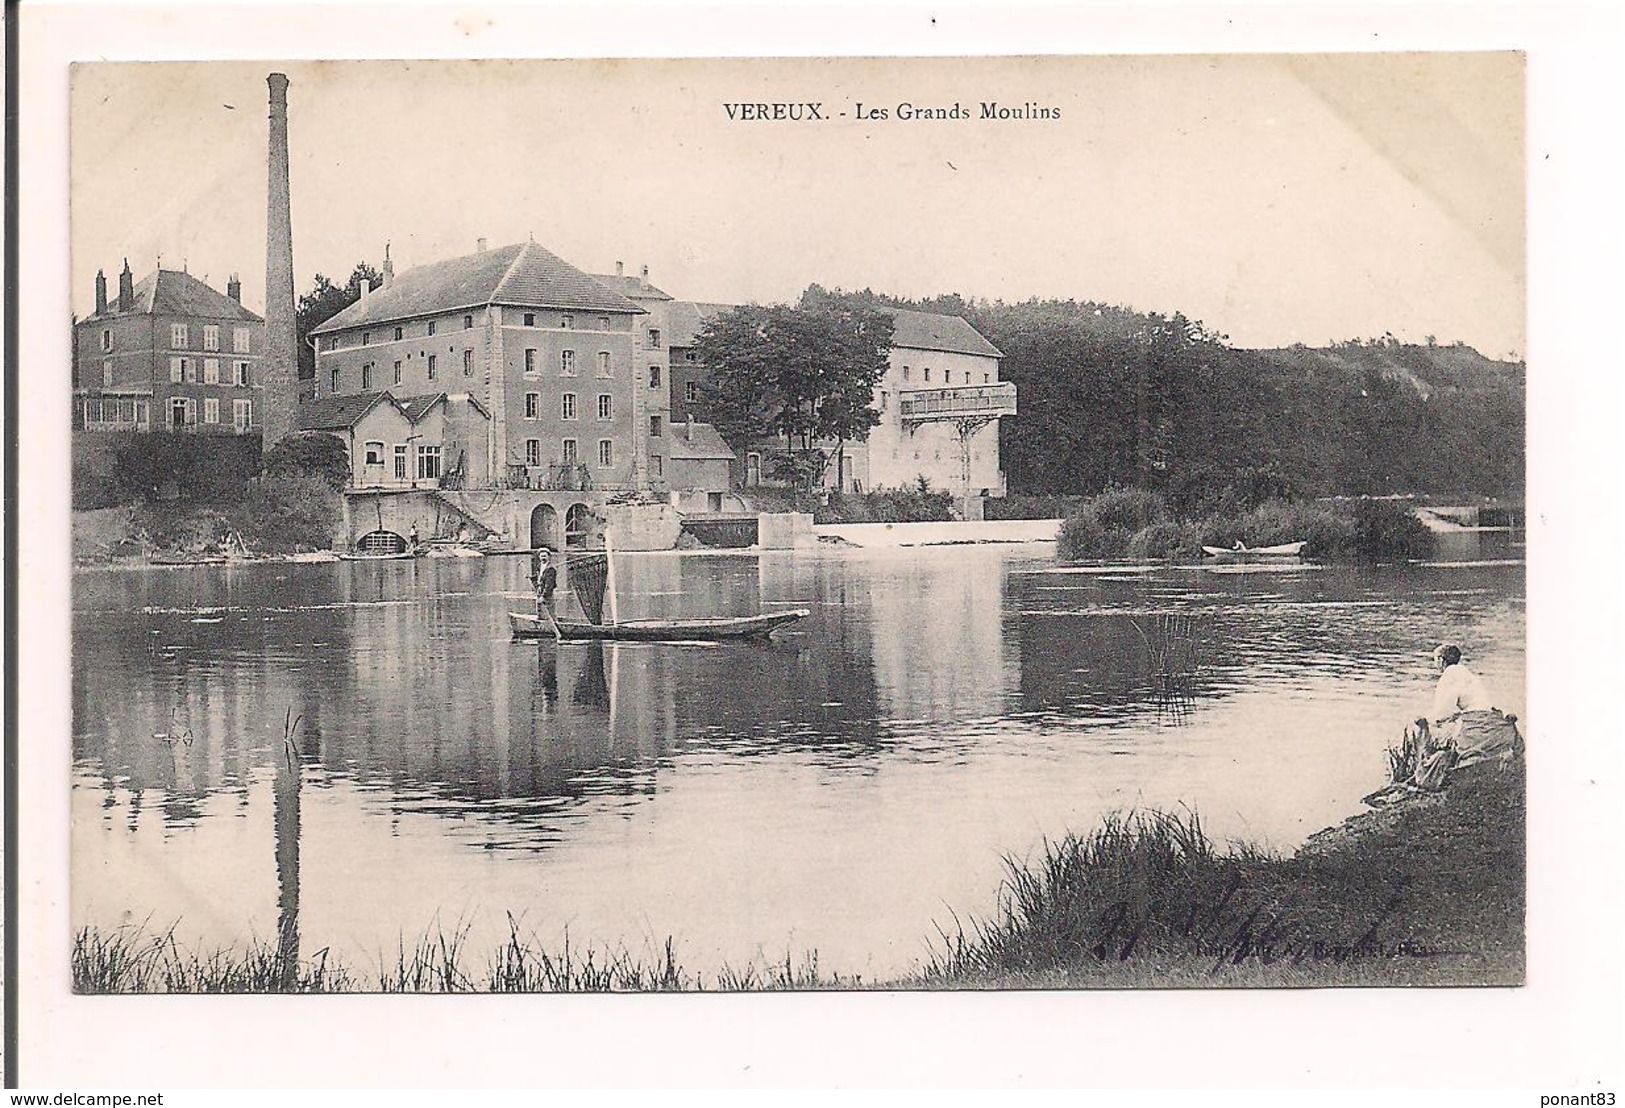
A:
720, 629
1283, 552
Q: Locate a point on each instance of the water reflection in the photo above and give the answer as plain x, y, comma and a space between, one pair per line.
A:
731, 794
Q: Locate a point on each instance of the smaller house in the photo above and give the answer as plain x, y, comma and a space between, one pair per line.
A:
434, 441
699, 467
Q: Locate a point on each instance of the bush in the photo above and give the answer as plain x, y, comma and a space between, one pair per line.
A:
285, 515
1129, 510
1326, 534
1166, 541
1384, 531
1022, 506
919, 504
310, 454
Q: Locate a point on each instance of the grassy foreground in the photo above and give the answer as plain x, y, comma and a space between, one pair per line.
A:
1430, 891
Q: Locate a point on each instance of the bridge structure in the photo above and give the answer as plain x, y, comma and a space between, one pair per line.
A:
968, 407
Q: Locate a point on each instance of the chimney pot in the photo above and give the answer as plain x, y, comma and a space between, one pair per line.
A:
101, 292
126, 288
479, 245
643, 278
620, 269
234, 288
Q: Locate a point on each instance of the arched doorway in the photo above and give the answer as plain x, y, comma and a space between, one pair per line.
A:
380, 542
544, 527
577, 525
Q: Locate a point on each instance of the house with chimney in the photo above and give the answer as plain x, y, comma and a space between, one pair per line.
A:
558, 360
168, 353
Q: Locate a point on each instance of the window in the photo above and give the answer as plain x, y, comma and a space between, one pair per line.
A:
432, 367
533, 405
242, 414
571, 457
375, 453
335, 387
211, 337
107, 340
947, 376
431, 331
468, 323
366, 377
654, 377
428, 463
239, 375
606, 407
366, 338
530, 319
468, 363
567, 406
533, 452
654, 426
905, 373
176, 375
690, 356
654, 338
400, 463
659, 464
188, 371
211, 410
883, 401
603, 363
239, 340
928, 375
987, 378
691, 391
397, 334
332, 342
567, 363
107, 374
180, 412
603, 323
530, 361
397, 371
606, 452
566, 322
211, 372
177, 335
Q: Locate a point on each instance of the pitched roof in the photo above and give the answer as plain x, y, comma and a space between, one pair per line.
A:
339, 413
416, 407
632, 288
686, 317
523, 274
167, 292
697, 442
950, 333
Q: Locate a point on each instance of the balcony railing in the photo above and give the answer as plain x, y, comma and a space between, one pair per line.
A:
963, 402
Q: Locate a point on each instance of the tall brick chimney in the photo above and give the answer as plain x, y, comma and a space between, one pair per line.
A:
389, 268
101, 293
126, 288
234, 288
281, 341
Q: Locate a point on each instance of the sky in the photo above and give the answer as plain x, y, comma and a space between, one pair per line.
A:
1279, 199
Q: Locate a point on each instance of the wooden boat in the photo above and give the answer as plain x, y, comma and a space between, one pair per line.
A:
1287, 551
655, 630
359, 556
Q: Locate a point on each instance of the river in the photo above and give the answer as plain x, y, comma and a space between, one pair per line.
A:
846, 789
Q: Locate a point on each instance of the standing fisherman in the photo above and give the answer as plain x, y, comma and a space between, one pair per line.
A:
544, 577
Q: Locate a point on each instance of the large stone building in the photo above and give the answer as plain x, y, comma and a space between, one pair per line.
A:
168, 353
939, 404
559, 360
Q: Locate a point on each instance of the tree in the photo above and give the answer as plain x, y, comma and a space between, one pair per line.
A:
805, 374
310, 454
324, 301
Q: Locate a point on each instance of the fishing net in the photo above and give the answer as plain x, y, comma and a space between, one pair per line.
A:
589, 574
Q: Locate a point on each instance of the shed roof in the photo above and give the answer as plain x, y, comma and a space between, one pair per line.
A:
697, 442
339, 413
633, 288
169, 292
523, 274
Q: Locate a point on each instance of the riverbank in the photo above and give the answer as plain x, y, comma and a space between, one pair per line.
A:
1428, 892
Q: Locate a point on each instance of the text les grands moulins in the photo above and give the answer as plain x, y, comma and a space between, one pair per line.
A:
816, 111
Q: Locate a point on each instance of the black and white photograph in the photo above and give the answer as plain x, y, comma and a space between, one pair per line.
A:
952, 524
973, 528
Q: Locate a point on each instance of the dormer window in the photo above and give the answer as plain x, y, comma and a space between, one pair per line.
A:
567, 322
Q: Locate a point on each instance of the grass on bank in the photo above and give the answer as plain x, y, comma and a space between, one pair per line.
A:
1137, 525
1430, 891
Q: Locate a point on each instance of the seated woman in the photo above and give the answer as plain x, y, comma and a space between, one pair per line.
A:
1464, 726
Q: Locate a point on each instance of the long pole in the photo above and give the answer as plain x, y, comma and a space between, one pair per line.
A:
609, 576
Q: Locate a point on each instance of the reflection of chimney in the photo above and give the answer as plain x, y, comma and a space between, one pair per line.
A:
234, 288
101, 293
479, 245
281, 350
643, 279
126, 288
620, 269
389, 268
688, 432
